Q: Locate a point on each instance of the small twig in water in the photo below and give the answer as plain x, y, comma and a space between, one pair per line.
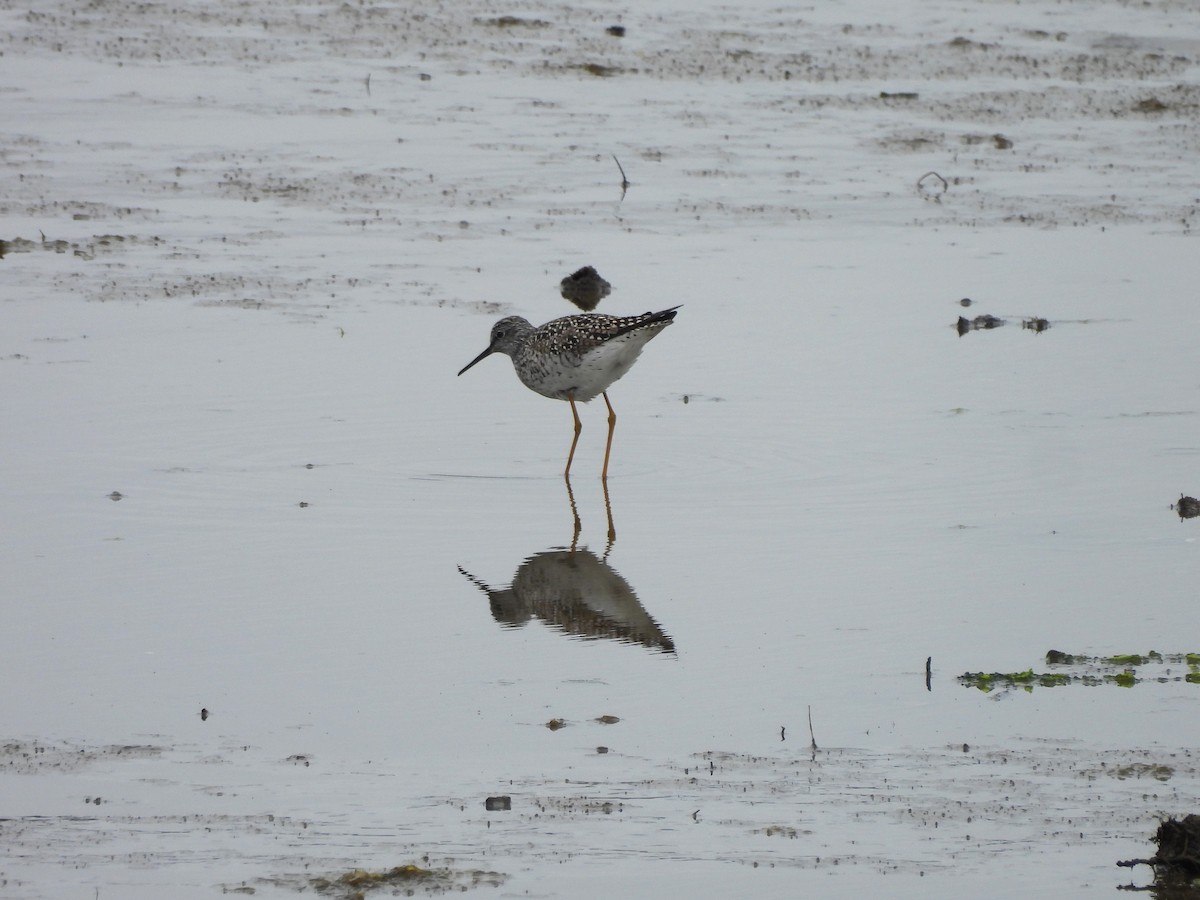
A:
812, 736
626, 184
945, 184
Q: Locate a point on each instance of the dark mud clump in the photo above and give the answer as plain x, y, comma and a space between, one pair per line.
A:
1177, 862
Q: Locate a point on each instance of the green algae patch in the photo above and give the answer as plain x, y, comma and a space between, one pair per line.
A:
1121, 670
408, 879
1027, 680
1134, 659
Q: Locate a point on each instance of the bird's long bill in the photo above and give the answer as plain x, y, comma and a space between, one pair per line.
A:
484, 354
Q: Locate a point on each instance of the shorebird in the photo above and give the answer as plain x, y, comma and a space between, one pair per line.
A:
585, 288
575, 358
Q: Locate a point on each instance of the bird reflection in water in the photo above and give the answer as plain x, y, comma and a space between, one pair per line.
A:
578, 593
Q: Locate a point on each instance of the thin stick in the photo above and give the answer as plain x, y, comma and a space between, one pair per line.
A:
626, 184
810, 731
945, 184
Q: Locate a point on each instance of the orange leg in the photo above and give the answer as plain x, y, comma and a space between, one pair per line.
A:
612, 423
578, 428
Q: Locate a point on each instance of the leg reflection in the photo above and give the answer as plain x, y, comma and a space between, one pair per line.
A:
577, 523
612, 531
574, 513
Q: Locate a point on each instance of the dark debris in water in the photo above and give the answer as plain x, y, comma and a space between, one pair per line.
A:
986, 322
85, 249
979, 323
39, 758
1150, 105
1187, 507
513, 22
1177, 862
1120, 670
600, 71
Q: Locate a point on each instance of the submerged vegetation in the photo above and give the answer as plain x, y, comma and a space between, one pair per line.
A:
408, 879
1121, 670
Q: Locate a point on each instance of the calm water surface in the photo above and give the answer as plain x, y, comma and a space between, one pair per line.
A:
241, 476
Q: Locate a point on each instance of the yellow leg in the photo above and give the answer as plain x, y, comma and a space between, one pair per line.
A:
578, 428
612, 423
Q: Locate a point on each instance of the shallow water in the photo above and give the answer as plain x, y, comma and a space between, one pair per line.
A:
241, 475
